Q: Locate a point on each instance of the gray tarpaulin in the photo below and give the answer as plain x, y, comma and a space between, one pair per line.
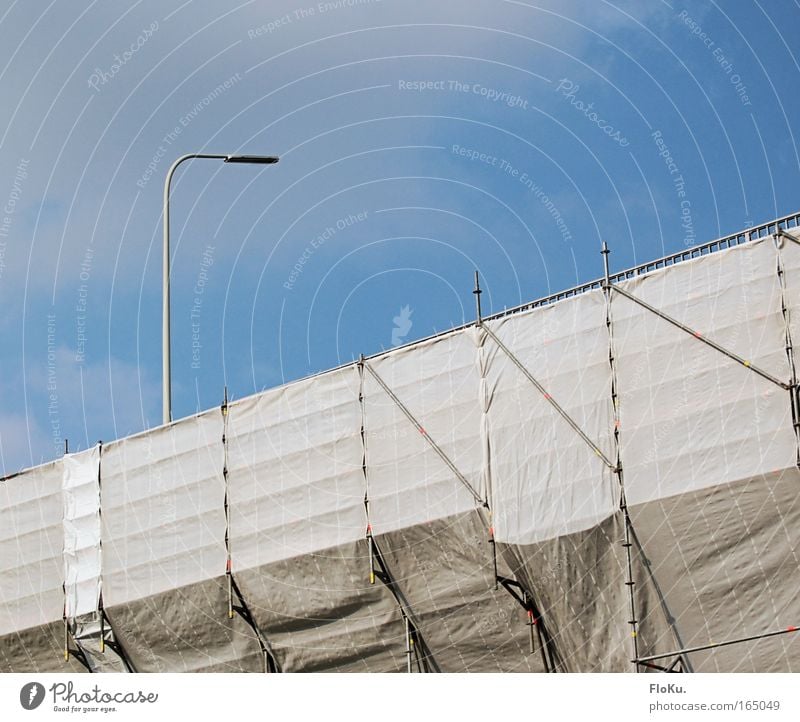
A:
725, 558
445, 572
38, 649
319, 612
186, 630
590, 629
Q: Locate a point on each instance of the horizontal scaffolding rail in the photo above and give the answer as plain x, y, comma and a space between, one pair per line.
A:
715, 645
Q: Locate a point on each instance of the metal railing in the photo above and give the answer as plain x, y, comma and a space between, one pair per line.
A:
720, 244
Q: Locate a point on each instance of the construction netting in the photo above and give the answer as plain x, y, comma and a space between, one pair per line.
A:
606, 483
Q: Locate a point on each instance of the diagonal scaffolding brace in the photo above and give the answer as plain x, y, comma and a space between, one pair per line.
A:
780, 233
425, 435
111, 640
572, 423
417, 652
696, 334
243, 610
534, 622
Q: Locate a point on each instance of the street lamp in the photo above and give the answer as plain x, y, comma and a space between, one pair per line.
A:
165, 341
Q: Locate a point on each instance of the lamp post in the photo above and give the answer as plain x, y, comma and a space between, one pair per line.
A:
165, 341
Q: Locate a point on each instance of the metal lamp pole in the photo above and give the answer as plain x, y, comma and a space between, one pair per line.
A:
165, 341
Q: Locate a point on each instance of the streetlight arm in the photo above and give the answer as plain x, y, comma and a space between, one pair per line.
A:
168, 181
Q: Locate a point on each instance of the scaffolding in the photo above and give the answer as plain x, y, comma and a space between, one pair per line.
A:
454, 504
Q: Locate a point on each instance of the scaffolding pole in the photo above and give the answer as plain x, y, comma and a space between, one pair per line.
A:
242, 608
714, 645
794, 401
630, 584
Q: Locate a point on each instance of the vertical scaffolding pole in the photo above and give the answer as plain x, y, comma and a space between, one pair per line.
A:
240, 607
228, 565
479, 323
793, 390
477, 291
64, 588
494, 550
370, 540
627, 544
100, 544
409, 644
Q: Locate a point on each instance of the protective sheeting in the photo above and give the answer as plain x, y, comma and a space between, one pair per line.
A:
319, 612
186, 630
546, 480
163, 509
31, 542
95, 639
726, 559
692, 418
39, 649
295, 470
438, 382
789, 251
445, 574
407, 447
578, 582
81, 487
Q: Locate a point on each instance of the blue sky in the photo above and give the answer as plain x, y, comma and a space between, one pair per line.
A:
418, 141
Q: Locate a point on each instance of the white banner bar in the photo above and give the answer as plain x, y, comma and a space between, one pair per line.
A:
402, 697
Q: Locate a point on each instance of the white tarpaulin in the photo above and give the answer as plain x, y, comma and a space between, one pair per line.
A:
546, 480
295, 470
31, 541
691, 417
790, 260
81, 486
163, 509
438, 382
